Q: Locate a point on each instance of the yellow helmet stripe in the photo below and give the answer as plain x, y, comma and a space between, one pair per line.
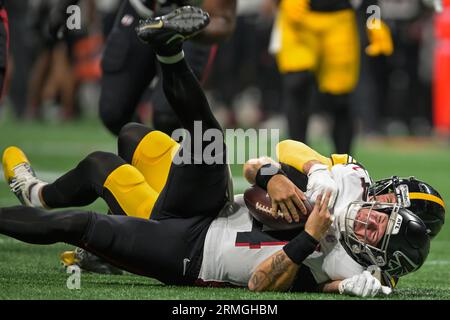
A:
424, 196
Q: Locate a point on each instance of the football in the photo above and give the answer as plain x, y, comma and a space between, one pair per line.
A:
259, 205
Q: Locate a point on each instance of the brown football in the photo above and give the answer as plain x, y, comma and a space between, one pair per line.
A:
259, 205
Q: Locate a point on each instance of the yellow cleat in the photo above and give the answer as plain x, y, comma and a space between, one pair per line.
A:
19, 174
69, 258
12, 157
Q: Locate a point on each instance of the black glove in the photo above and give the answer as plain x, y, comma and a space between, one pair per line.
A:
56, 24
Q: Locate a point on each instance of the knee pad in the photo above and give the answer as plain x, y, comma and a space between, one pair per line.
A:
153, 158
130, 190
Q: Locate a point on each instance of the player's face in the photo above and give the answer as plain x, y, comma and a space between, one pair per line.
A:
387, 198
370, 226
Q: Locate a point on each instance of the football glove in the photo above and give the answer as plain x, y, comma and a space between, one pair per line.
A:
380, 39
319, 182
363, 285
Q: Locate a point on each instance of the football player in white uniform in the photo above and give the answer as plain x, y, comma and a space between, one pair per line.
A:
240, 252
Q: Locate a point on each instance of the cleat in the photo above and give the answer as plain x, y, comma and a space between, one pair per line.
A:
87, 262
173, 28
20, 175
68, 258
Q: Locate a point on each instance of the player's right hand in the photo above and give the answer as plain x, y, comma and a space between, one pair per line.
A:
363, 285
320, 218
286, 198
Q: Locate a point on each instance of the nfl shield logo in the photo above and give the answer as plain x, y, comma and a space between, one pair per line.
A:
127, 20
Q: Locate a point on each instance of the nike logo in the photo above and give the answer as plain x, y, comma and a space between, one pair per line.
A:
158, 25
185, 262
175, 37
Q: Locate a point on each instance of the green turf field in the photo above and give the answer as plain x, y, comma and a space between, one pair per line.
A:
34, 272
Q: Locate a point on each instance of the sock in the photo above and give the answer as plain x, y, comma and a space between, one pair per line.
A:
35, 192
171, 47
172, 59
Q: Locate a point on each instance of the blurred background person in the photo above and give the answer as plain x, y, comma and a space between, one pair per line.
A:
245, 82
60, 65
319, 44
401, 99
319, 51
129, 66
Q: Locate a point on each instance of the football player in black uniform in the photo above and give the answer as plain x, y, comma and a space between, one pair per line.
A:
129, 66
159, 233
154, 226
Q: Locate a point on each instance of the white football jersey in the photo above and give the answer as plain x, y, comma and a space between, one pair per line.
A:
235, 246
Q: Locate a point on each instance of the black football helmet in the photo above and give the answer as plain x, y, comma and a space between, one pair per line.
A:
402, 249
417, 196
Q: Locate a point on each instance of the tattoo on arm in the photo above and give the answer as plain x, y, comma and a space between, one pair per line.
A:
266, 280
279, 265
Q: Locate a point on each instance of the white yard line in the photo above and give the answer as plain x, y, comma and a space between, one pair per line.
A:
437, 262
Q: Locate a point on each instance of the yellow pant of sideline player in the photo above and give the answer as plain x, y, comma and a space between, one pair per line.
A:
325, 43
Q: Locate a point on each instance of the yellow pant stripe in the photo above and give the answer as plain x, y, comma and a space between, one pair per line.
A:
131, 191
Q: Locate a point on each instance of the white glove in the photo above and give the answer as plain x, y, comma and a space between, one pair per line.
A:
363, 285
319, 182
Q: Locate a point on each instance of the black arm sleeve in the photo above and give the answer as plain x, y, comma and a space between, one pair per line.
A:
297, 177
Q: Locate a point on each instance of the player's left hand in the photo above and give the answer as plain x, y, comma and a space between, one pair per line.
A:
286, 197
319, 182
380, 39
363, 285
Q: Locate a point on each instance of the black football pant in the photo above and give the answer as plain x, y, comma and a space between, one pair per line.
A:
129, 66
85, 183
297, 91
169, 246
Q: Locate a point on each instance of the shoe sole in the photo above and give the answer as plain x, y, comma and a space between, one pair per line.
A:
185, 20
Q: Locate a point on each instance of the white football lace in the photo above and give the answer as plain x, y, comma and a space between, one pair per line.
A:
23, 177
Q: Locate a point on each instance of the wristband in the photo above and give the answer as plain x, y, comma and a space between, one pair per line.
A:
265, 173
299, 248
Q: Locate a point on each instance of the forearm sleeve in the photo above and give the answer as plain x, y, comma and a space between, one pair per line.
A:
296, 154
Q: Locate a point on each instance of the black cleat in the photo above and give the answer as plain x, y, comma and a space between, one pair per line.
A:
88, 262
171, 30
